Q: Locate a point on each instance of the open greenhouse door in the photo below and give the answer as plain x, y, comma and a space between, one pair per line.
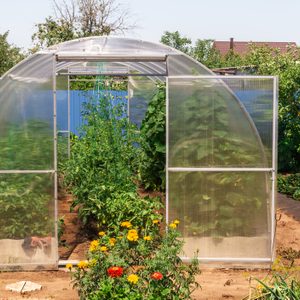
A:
28, 239
221, 166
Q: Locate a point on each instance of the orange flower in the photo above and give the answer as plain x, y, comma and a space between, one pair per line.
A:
157, 276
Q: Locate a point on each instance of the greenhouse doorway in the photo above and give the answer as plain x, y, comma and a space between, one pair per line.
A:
78, 85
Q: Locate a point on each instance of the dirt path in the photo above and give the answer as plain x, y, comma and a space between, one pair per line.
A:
216, 284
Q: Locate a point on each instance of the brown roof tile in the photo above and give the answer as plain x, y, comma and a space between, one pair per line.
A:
243, 47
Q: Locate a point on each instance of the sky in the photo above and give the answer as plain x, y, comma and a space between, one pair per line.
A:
252, 20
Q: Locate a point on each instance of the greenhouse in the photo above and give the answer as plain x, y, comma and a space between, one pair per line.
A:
221, 145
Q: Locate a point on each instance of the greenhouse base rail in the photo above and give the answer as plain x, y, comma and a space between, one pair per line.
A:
26, 171
171, 169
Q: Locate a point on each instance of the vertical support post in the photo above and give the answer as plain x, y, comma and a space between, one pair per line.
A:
69, 118
167, 150
128, 96
55, 153
274, 164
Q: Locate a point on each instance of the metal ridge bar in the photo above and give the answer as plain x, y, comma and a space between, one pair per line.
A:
110, 58
111, 74
221, 77
26, 171
220, 169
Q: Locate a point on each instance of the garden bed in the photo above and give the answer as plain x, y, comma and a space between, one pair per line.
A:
216, 283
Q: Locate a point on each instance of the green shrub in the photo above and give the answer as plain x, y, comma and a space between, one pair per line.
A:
153, 142
136, 263
103, 159
289, 184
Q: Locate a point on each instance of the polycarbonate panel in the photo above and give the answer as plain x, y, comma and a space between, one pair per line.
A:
27, 235
26, 116
209, 126
222, 214
256, 95
140, 92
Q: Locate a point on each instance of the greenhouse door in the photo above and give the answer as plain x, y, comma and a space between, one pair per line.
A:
221, 166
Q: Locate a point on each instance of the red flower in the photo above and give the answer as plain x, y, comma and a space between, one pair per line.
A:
157, 276
115, 271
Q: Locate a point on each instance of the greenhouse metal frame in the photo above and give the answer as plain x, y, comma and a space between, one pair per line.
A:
253, 100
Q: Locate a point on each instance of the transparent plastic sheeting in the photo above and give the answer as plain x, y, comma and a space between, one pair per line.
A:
27, 236
210, 127
140, 92
223, 214
26, 116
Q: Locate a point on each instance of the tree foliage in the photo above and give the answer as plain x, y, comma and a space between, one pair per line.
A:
9, 54
175, 40
81, 18
267, 61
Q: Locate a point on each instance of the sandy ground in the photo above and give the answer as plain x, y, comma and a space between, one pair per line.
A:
215, 283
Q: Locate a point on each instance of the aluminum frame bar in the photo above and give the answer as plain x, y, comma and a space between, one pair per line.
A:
27, 171
84, 56
174, 169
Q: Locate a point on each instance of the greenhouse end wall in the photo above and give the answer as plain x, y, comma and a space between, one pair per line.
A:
221, 166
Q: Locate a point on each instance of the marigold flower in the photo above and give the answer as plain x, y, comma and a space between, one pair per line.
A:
103, 249
112, 241
132, 235
94, 245
147, 238
155, 221
115, 271
82, 264
101, 233
157, 276
126, 224
176, 222
173, 225
133, 278
69, 266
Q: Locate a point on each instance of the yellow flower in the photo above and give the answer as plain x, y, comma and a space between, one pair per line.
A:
94, 245
101, 233
147, 238
176, 222
173, 225
69, 266
132, 235
126, 224
112, 241
92, 262
132, 278
82, 264
155, 221
103, 249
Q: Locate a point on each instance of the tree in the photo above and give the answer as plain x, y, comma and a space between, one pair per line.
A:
81, 18
269, 61
204, 52
174, 39
9, 54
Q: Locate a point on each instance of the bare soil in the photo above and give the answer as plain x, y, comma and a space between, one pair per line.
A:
215, 283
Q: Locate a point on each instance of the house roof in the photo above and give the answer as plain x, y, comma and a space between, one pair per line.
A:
243, 47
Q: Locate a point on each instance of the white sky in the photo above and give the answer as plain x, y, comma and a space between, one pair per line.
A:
256, 20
